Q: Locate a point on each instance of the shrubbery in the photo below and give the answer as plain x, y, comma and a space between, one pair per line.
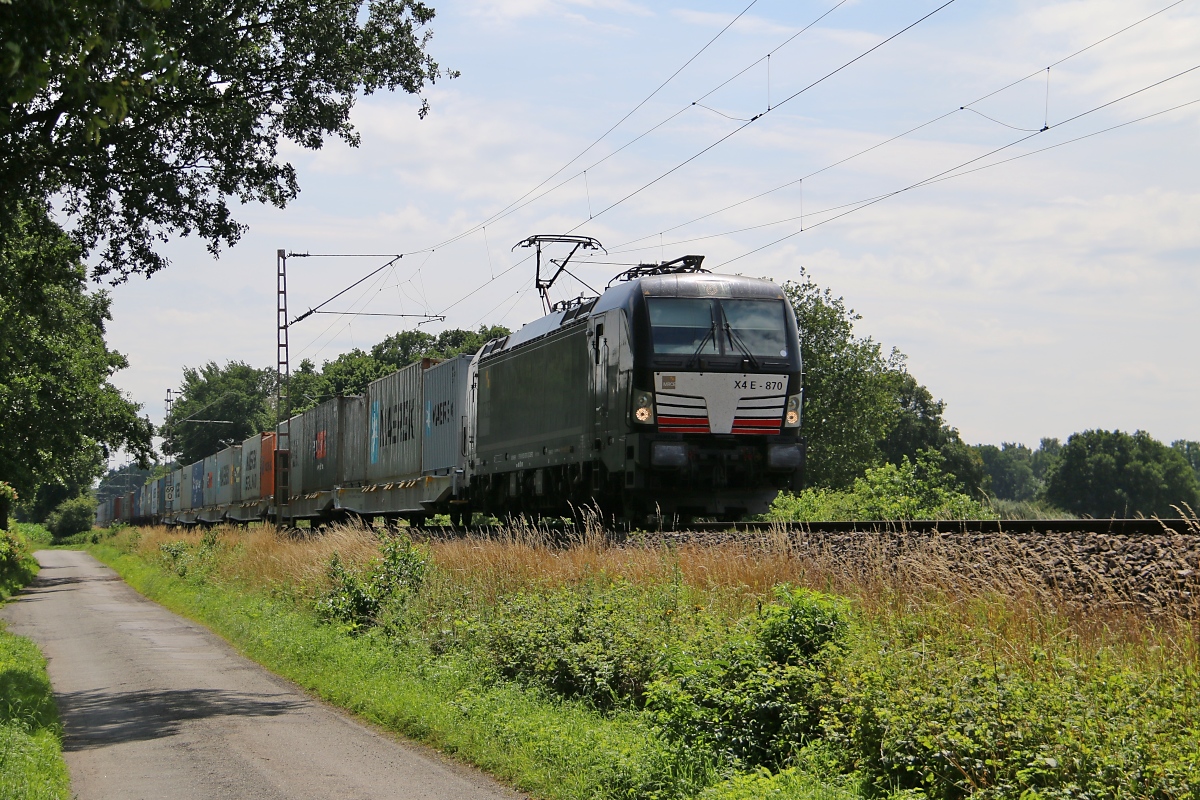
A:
908, 490
781, 693
72, 516
358, 599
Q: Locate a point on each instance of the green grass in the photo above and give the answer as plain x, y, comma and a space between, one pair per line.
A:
31, 763
548, 746
36, 534
626, 672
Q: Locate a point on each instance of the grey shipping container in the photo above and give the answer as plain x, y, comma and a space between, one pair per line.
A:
175, 491
355, 436
226, 461
160, 505
210, 481
295, 443
394, 425
324, 452
152, 508
197, 496
252, 467
445, 409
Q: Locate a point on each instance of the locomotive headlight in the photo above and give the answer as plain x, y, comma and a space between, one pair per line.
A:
791, 418
643, 407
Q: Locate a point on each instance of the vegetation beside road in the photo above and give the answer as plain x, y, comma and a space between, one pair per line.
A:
730, 671
31, 763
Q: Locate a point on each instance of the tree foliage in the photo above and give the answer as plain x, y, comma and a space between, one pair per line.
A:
1191, 452
1015, 472
862, 406
351, 373
919, 489
1112, 473
237, 399
60, 415
149, 117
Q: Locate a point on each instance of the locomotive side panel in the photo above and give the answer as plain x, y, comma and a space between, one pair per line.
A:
534, 405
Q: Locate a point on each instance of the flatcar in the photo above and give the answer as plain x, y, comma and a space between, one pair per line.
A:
676, 392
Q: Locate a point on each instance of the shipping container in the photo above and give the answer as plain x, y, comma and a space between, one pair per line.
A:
136, 503
321, 448
295, 443
445, 405
128, 506
210, 481
229, 462
394, 425
354, 443
175, 492
160, 493
116, 504
251, 472
151, 508
197, 498
266, 462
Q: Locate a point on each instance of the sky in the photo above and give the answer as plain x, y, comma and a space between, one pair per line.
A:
1037, 297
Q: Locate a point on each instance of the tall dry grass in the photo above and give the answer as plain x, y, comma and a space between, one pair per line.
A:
996, 587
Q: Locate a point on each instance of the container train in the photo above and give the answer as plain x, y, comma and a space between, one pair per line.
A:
676, 392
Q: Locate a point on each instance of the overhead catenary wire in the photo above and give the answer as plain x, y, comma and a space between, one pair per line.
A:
757, 117
954, 171
910, 131
502, 212
522, 203
515, 205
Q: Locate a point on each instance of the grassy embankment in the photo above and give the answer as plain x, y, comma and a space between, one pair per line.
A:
31, 764
738, 670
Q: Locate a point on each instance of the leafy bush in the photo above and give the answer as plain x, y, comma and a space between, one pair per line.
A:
181, 558
759, 698
907, 490
358, 598
597, 640
942, 710
34, 533
72, 516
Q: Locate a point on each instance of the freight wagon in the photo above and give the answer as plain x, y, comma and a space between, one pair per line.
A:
676, 392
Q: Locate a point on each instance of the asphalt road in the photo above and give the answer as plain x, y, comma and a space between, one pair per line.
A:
156, 706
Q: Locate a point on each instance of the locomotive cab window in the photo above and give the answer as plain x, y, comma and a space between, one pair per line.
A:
683, 326
759, 325
708, 326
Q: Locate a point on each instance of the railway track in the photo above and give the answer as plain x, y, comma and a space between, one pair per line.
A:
1149, 564
1111, 527
1117, 527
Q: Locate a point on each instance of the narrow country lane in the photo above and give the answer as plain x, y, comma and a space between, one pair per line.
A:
156, 706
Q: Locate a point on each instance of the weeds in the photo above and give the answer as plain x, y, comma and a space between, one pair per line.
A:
934, 667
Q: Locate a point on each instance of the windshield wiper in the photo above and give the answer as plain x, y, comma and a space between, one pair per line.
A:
712, 332
737, 341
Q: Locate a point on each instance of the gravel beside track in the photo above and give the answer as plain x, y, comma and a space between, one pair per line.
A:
1141, 564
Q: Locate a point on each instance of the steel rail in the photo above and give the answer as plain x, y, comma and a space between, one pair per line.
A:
1114, 527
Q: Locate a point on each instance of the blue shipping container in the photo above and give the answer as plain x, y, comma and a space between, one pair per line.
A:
198, 484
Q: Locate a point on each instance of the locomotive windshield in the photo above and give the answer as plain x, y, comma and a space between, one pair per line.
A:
695, 326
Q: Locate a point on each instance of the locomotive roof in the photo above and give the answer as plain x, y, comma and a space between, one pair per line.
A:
621, 296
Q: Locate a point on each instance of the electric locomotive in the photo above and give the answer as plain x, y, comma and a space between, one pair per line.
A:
676, 392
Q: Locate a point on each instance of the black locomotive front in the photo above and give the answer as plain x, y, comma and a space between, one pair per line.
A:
716, 395
677, 394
